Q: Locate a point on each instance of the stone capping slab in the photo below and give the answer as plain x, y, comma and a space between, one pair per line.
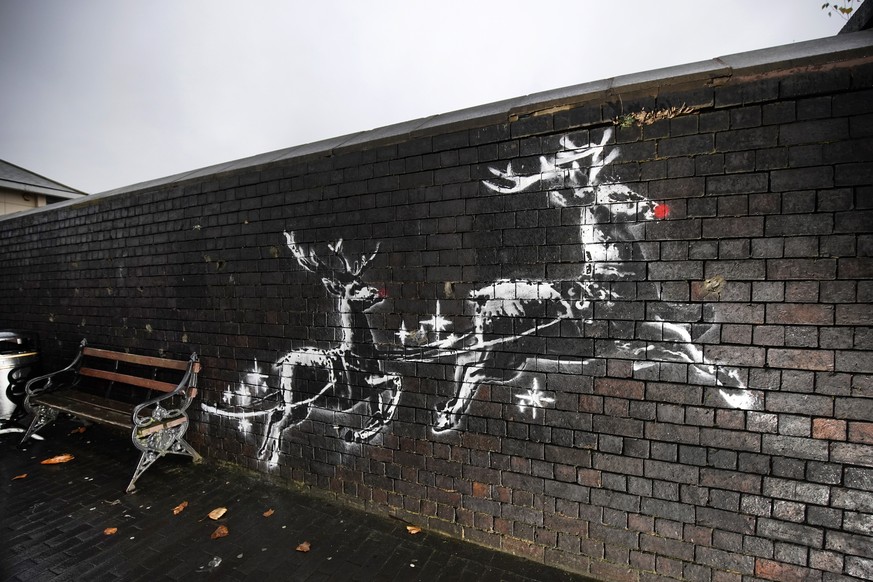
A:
811, 52
842, 46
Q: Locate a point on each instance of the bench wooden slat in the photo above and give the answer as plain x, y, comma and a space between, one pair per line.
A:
159, 426
138, 359
128, 379
90, 407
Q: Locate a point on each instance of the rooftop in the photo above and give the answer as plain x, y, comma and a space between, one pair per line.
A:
16, 178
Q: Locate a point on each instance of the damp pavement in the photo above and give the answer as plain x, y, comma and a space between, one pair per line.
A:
57, 521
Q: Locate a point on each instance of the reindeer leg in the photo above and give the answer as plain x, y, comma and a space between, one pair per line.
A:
280, 418
293, 411
381, 412
467, 377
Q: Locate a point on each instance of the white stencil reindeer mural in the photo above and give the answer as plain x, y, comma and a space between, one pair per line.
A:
506, 317
611, 225
610, 221
341, 378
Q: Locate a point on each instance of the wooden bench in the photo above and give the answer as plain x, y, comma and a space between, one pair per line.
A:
140, 394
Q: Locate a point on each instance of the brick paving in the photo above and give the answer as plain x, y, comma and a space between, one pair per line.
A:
53, 520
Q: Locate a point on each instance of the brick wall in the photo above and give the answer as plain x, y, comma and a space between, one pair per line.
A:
638, 349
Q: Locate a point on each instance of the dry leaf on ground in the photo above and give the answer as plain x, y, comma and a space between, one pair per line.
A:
413, 529
303, 547
78, 430
110, 531
217, 512
220, 532
180, 508
22, 476
58, 459
268, 513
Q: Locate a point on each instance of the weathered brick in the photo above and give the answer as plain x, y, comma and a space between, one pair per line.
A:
854, 408
796, 447
860, 268
859, 478
730, 439
737, 313
737, 184
619, 388
791, 532
853, 314
687, 145
861, 523
853, 221
799, 491
671, 472
853, 361
828, 428
722, 560
858, 545
851, 453
772, 570
823, 130
735, 481
861, 432
800, 314
800, 359
743, 139
857, 174
861, 568
803, 269
675, 270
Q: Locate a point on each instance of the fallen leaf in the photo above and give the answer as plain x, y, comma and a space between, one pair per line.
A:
413, 529
78, 430
180, 508
220, 532
24, 476
58, 459
303, 547
217, 512
110, 531
268, 513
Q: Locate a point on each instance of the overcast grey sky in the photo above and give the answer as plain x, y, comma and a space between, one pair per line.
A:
99, 94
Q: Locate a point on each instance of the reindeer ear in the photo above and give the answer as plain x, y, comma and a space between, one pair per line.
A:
333, 287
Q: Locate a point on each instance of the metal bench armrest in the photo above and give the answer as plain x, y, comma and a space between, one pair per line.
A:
186, 389
33, 388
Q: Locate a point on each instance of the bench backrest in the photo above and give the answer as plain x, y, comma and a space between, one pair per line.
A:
138, 371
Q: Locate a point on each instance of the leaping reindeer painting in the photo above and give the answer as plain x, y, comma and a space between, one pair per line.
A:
611, 225
507, 331
610, 221
341, 378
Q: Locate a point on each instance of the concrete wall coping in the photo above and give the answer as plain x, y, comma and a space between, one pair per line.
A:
813, 52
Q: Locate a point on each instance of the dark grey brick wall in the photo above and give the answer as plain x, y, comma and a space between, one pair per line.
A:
668, 373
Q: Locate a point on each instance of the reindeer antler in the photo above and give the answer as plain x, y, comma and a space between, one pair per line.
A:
565, 163
365, 260
313, 264
310, 261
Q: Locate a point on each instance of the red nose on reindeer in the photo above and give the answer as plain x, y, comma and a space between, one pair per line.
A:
661, 211
382, 293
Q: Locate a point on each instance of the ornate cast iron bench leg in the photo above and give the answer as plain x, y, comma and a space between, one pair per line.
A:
157, 441
42, 417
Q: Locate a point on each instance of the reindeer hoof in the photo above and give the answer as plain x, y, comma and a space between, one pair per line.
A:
446, 419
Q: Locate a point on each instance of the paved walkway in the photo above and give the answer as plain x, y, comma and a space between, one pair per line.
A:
52, 524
